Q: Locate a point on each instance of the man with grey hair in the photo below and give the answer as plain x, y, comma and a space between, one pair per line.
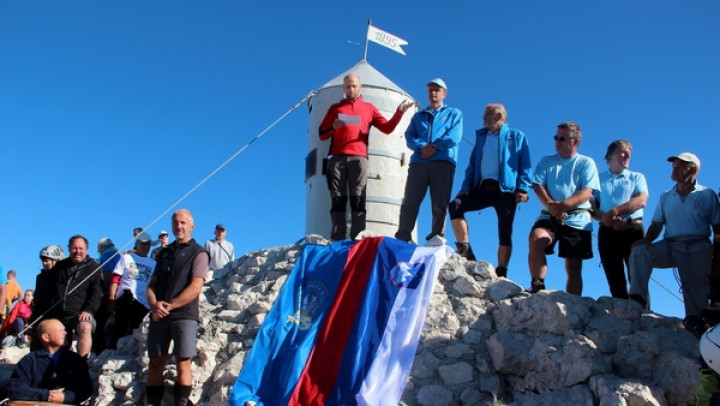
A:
347, 125
564, 183
618, 206
173, 295
497, 175
688, 212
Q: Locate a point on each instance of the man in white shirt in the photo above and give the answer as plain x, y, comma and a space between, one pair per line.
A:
127, 288
221, 250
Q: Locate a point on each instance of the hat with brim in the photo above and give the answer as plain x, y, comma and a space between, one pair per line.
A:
686, 157
439, 82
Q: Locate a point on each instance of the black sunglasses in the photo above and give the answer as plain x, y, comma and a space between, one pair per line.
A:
561, 139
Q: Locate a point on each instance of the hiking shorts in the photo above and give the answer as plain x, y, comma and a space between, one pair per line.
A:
573, 243
182, 332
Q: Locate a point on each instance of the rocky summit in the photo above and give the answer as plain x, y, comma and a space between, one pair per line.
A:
486, 341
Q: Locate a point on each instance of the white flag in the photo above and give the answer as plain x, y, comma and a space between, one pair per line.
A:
386, 39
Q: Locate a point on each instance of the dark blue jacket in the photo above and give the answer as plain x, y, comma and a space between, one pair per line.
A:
37, 373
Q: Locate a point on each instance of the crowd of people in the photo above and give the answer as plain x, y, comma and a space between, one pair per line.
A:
500, 175
100, 301
568, 185
97, 302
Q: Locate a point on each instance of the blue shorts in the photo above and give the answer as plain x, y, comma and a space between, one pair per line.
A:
182, 332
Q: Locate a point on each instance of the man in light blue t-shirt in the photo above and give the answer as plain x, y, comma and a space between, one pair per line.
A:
688, 212
564, 183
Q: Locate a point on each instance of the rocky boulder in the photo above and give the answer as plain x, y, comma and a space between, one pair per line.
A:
486, 341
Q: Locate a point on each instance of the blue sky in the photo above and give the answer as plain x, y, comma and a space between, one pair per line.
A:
111, 111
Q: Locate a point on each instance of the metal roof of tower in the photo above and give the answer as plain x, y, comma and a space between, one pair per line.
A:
369, 77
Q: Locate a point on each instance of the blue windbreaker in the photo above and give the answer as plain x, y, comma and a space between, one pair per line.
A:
514, 160
444, 130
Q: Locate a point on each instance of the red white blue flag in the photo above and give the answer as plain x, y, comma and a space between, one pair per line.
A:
345, 328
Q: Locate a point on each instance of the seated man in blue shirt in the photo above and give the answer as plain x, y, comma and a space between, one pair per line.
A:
688, 212
53, 373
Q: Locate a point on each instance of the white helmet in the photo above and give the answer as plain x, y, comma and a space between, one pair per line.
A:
710, 348
53, 252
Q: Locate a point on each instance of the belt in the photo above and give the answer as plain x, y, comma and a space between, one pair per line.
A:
573, 211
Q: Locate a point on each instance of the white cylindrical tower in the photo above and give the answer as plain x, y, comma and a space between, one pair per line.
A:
388, 155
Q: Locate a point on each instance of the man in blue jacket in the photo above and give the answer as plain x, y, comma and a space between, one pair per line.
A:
434, 135
497, 175
53, 373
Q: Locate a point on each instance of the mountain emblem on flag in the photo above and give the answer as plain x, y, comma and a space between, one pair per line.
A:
311, 298
407, 274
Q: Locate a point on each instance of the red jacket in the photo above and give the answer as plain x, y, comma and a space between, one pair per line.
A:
353, 139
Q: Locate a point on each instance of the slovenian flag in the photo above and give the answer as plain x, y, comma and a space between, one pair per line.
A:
345, 328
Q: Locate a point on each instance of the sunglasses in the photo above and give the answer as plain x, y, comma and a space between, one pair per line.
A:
561, 139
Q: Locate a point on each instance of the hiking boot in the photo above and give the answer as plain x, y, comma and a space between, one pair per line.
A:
537, 285
436, 241
465, 250
501, 271
639, 299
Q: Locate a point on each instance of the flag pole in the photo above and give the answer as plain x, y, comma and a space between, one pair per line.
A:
366, 39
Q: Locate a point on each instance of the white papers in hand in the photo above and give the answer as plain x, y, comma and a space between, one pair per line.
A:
349, 119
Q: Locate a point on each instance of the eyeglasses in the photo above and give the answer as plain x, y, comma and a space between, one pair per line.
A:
561, 139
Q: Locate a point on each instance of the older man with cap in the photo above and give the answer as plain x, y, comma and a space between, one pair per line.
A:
221, 250
434, 135
688, 212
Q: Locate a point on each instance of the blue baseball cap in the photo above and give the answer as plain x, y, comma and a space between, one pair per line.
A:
439, 82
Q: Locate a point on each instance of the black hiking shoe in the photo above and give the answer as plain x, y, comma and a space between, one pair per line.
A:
537, 285
465, 250
639, 299
501, 271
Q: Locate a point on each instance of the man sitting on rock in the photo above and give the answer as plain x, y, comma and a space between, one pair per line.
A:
53, 373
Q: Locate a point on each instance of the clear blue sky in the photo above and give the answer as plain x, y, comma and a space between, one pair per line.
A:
110, 111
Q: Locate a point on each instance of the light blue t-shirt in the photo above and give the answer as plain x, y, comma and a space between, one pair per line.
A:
563, 178
618, 189
490, 163
693, 217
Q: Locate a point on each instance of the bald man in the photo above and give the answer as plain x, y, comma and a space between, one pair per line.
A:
498, 176
173, 295
347, 124
53, 373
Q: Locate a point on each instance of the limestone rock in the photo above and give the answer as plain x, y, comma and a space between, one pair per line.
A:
485, 341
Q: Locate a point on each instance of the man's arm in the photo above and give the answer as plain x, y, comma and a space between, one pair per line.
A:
580, 197
94, 293
468, 182
452, 133
652, 233
187, 295
192, 291
21, 383
715, 270
158, 308
524, 179
79, 386
635, 203
388, 126
412, 138
327, 129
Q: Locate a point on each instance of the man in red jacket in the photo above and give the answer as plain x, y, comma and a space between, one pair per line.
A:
348, 124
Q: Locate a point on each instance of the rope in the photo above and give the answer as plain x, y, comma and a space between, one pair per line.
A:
177, 202
656, 281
